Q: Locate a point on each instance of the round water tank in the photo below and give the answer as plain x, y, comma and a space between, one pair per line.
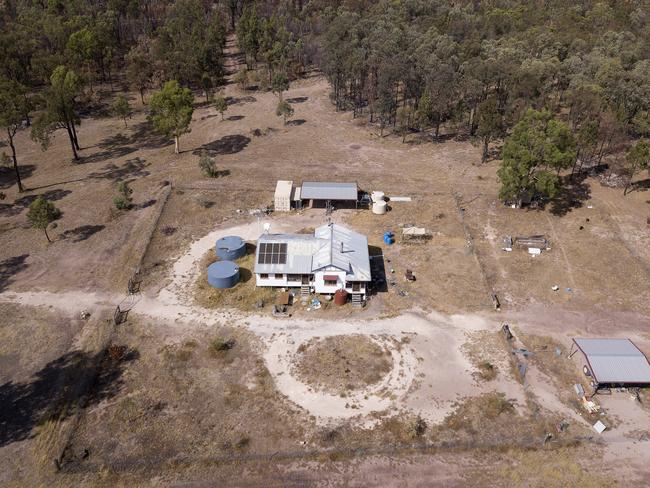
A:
379, 207
230, 248
223, 274
340, 297
377, 196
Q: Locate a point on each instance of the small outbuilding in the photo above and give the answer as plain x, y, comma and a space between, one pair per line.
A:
283, 194
613, 362
322, 193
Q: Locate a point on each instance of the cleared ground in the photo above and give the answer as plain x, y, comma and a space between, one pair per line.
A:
208, 394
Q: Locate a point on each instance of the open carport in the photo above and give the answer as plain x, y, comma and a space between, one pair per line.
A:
613, 362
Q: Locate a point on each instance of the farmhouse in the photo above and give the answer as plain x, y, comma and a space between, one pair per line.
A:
333, 258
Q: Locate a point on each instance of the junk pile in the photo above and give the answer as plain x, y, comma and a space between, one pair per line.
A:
535, 244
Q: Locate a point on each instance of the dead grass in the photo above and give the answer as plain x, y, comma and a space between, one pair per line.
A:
243, 296
342, 363
471, 414
562, 371
557, 468
489, 354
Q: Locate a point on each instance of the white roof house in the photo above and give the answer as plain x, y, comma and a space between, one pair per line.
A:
333, 258
615, 361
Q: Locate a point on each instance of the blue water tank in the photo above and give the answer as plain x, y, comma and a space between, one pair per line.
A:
231, 248
223, 274
389, 238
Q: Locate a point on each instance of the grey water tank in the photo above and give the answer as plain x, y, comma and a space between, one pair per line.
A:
223, 274
230, 247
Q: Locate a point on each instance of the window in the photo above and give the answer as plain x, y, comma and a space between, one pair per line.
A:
279, 276
331, 282
294, 277
264, 276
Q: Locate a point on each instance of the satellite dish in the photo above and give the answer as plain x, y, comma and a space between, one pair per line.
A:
267, 227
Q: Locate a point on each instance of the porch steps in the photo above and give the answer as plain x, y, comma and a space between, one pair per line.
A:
305, 291
357, 300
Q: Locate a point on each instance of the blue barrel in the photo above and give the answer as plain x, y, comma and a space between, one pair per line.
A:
389, 238
223, 274
230, 248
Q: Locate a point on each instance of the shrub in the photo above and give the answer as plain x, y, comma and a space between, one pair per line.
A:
116, 352
207, 165
487, 371
219, 346
418, 427
123, 200
241, 78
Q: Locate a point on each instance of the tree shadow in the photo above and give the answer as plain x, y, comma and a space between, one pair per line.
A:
296, 122
8, 268
641, 185
241, 100
75, 378
143, 205
133, 168
8, 175
573, 193
82, 232
297, 99
50, 195
234, 118
94, 108
144, 136
9, 210
226, 145
112, 153
118, 139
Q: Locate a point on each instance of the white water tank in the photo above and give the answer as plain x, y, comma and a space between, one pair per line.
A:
377, 196
379, 207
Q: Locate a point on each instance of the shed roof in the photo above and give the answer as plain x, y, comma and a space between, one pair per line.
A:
328, 190
283, 189
615, 360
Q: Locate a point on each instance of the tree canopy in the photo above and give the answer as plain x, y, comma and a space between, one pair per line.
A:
171, 111
533, 155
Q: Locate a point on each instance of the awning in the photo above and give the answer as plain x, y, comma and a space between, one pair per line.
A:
330, 278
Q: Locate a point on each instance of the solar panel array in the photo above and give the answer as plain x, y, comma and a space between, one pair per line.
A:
272, 253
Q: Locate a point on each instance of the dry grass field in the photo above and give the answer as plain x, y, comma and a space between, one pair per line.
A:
205, 394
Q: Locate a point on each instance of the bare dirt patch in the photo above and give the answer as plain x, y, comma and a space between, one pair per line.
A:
342, 363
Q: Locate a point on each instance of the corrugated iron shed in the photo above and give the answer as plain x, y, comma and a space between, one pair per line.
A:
327, 190
615, 361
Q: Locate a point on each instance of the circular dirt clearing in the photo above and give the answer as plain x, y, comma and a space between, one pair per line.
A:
341, 363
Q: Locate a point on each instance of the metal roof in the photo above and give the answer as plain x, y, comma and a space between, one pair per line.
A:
327, 190
331, 245
347, 250
615, 360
